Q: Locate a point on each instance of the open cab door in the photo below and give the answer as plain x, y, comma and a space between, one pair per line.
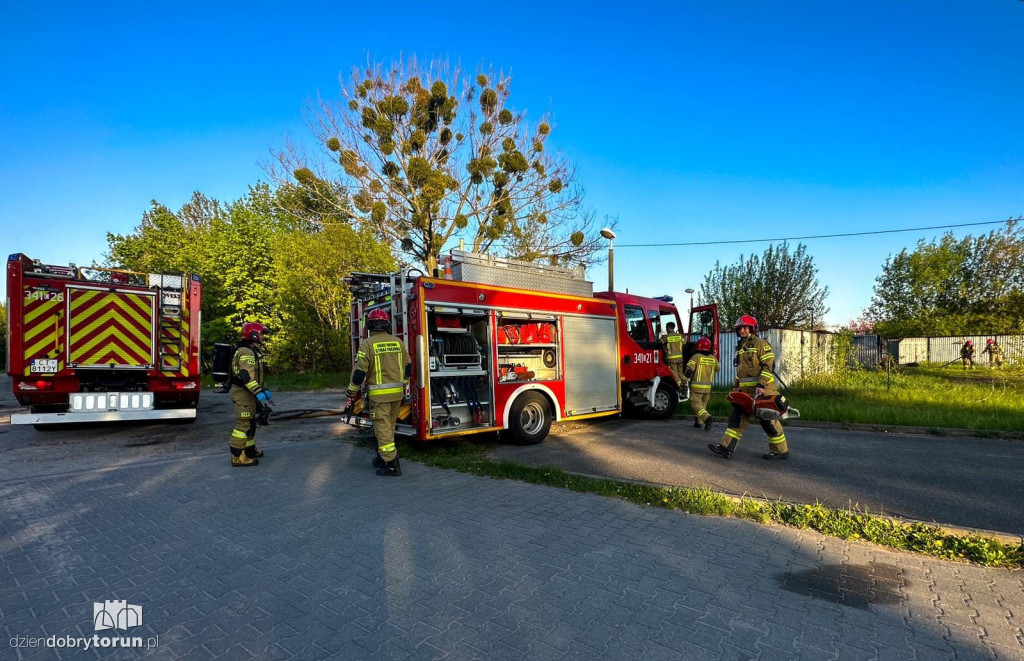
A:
703, 323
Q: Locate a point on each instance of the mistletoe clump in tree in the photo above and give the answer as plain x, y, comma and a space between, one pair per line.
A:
428, 156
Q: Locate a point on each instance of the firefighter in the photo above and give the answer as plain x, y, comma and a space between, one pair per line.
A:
383, 363
672, 343
995, 353
701, 370
754, 363
967, 354
248, 394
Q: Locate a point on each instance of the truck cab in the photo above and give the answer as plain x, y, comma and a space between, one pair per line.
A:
648, 387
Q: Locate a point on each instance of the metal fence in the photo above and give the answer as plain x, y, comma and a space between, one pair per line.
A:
947, 348
799, 354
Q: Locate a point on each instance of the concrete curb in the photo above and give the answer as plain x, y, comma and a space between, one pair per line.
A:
898, 429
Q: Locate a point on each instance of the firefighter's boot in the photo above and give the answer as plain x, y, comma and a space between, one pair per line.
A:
707, 423
390, 468
377, 461
253, 452
720, 450
696, 422
727, 445
775, 456
239, 458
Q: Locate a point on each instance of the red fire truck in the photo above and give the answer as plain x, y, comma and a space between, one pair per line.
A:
508, 345
93, 344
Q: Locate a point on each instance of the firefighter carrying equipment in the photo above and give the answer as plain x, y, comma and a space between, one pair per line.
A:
769, 407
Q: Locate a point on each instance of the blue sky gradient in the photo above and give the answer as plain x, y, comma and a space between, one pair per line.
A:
687, 120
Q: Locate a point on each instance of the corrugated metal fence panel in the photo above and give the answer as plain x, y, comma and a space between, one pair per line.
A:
798, 354
727, 349
947, 348
867, 350
914, 350
591, 357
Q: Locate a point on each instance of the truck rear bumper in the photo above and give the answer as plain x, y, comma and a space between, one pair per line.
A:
100, 416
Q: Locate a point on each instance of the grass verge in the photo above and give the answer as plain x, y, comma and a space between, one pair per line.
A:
843, 523
927, 396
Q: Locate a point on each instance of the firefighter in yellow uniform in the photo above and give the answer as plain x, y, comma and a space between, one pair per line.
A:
995, 353
673, 344
701, 370
383, 363
248, 394
967, 354
754, 362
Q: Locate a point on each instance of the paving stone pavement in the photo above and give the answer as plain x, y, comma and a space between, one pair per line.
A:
311, 555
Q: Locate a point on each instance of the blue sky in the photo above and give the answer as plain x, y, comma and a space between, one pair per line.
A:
687, 120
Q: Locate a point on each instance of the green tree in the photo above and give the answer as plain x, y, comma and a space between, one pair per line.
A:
310, 300
275, 255
779, 288
430, 156
973, 285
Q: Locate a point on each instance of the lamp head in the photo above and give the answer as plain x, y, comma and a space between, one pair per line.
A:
607, 233
690, 291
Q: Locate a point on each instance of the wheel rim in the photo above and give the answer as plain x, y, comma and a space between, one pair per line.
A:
531, 418
661, 400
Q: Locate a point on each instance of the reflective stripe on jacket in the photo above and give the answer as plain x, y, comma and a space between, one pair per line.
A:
703, 368
382, 357
755, 361
673, 347
247, 360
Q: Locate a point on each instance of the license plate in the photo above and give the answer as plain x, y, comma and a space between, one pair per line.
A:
44, 366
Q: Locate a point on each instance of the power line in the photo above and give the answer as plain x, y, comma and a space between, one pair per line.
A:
813, 236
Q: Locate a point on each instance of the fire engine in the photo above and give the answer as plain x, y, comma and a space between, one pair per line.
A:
500, 344
91, 344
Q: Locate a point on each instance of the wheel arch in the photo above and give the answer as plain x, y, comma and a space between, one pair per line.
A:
542, 389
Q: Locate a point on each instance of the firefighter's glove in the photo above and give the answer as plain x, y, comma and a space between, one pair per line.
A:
264, 397
759, 390
351, 401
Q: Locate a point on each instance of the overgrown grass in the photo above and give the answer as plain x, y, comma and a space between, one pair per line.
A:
927, 396
843, 523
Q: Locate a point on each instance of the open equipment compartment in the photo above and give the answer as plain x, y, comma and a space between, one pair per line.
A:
528, 347
460, 375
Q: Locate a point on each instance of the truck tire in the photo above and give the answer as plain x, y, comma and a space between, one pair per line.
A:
530, 418
665, 400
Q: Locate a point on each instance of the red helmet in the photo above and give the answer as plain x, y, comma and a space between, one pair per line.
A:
969, 343
252, 330
746, 320
703, 344
378, 319
990, 341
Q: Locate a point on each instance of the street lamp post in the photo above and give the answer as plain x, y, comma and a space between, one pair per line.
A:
607, 233
690, 292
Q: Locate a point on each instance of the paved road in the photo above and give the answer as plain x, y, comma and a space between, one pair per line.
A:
311, 555
976, 483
